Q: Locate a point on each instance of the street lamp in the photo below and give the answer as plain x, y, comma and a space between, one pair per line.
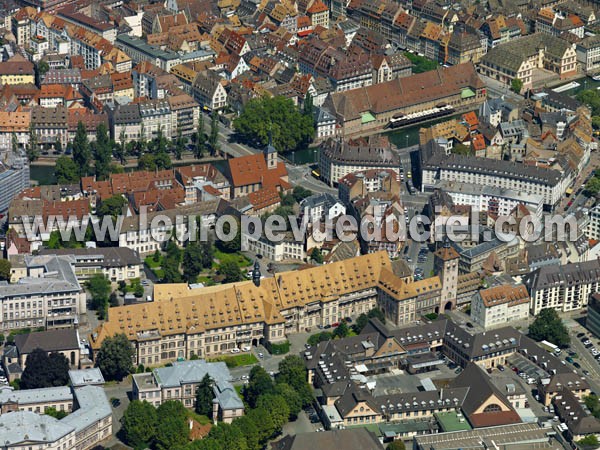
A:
406, 141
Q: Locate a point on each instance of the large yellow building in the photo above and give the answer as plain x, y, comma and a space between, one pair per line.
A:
182, 322
17, 70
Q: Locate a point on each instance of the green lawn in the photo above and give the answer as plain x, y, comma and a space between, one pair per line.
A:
149, 260
243, 359
239, 388
420, 63
237, 257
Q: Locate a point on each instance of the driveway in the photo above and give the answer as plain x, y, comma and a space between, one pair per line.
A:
121, 391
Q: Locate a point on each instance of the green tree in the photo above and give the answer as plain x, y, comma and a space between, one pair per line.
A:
228, 436
233, 245
200, 137
112, 206
591, 98
590, 441
376, 313
593, 404
319, 337
163, 161
292, 398
14, 143
593, 185
180, 142
139, 423
66, 171
42, 67
213, 139
231, 272
207, 254
204, 396
301, 193
114, 357
5, 267
516, 85
341, 331
43, 370
102, 152
277, 407
307, 106
32, 149
278, 117
396, 445
81, 150
249, 430
360, 323
293, 372
317, 256
99, 287
193, 261
264, 423
147, 162
259, 383
172, 430
120, 149
53, 412
549, 326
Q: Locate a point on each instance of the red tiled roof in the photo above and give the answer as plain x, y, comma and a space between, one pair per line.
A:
252, 169
264, 198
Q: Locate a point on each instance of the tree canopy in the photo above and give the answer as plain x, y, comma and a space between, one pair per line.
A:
277, 117
66, 171
516, 85
204, 396
114, 357
172, 430
231, 272
549, 326
43, 370
99, 287
81, 150
5, 267
139, 423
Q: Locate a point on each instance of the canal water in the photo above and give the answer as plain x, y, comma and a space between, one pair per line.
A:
404, 137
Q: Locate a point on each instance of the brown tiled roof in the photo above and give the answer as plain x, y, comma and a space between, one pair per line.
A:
263, 198
498, 295
407, 91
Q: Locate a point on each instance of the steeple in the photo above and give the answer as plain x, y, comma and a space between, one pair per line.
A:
256, 274
270, 153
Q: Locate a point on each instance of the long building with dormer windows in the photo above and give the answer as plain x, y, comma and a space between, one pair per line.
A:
184, 322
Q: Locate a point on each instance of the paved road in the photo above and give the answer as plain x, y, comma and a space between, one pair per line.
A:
499, 89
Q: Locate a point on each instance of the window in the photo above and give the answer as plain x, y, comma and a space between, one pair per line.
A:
492, 408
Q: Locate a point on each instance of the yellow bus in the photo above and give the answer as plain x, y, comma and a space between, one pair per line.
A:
569, 191
316, 174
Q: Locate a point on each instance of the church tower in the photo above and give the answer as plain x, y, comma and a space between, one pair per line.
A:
445, 265
270, 154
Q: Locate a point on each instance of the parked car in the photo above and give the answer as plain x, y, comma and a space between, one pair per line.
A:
580, 335
501, 368
260, 355
577, 365
569, 359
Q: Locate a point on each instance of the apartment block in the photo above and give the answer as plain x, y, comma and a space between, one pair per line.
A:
565, 287
499, 305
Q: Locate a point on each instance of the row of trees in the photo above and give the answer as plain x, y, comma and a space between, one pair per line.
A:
276, 119
162, 428
270, 404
